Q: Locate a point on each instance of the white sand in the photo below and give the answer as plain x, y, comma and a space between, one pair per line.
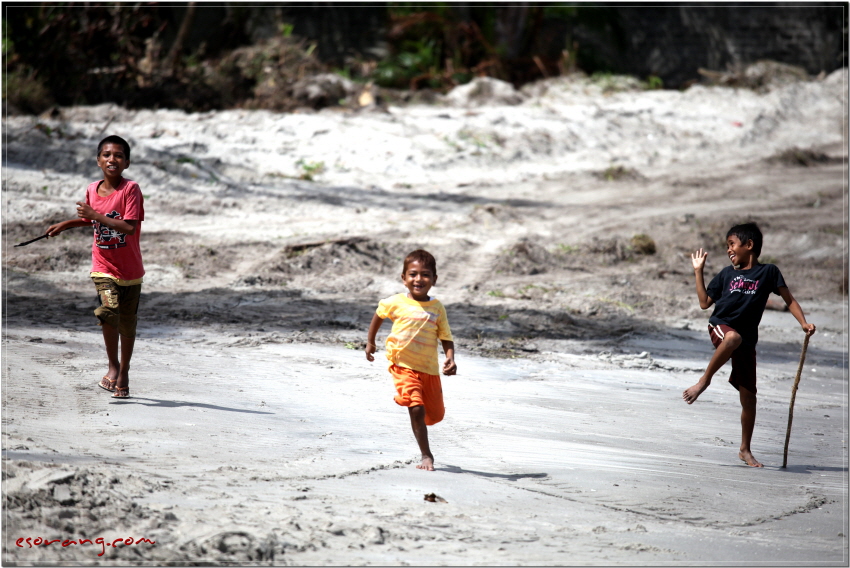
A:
258, 432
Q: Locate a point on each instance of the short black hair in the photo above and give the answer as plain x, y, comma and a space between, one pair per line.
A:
422, 256
115, 140
748, 232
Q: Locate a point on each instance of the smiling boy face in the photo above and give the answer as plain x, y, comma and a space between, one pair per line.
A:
418, 279
739, 253
112, 160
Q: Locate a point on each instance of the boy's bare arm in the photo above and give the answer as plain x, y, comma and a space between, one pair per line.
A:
698, 260
85, 211
796, 310
449, 366
54, 230
373, 333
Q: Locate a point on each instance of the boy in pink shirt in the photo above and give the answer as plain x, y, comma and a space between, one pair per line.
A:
114, 206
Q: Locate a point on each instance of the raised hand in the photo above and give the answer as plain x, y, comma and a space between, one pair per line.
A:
698, 259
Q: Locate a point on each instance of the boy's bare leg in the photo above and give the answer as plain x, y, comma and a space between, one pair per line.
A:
748, 423
127, 344
110, 340
722, 354
420, 431
119, 370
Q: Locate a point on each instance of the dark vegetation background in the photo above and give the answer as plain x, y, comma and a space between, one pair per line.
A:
200, 57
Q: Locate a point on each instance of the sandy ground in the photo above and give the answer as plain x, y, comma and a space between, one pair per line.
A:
258, 432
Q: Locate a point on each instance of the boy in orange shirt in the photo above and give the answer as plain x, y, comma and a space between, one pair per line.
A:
418, 322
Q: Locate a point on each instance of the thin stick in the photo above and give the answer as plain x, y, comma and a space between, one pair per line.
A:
44, 236
105, 126
794, 396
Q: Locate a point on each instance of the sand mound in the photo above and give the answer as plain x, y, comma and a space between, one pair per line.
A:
326, 264
61, 502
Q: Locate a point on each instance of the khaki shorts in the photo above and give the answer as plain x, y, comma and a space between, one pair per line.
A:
118, 305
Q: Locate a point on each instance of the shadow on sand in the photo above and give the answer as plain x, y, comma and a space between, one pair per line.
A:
510, 476
177, 404
808, 469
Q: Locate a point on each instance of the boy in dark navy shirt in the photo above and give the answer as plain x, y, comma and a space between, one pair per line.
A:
739, 293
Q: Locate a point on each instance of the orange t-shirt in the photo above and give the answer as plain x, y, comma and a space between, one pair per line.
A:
417, 328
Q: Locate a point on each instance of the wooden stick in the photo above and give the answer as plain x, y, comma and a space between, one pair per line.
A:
25, 243
794, 396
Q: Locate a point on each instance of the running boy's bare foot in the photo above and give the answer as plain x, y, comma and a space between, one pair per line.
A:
692, 393
427, 463
747, 456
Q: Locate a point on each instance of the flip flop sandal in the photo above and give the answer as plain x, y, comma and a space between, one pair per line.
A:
107, 384
121, 393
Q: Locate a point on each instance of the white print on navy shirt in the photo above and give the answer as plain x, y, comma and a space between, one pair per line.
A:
743, 285
105, 236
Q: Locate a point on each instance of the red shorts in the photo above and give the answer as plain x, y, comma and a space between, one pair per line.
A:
743, 359
416, 388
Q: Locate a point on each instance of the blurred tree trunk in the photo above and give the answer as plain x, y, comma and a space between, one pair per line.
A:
510, 29
177, 46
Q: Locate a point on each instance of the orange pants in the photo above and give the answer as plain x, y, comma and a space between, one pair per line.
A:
419, 389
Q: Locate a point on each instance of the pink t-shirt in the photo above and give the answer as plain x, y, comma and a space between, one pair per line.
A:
112, 252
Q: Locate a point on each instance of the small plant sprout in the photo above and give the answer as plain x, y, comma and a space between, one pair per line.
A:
309, 170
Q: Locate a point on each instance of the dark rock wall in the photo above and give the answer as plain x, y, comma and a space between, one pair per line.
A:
673, 42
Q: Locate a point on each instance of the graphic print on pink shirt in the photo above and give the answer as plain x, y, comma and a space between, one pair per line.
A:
106, 238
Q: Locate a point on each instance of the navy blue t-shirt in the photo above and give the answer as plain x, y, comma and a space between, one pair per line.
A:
740, 297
